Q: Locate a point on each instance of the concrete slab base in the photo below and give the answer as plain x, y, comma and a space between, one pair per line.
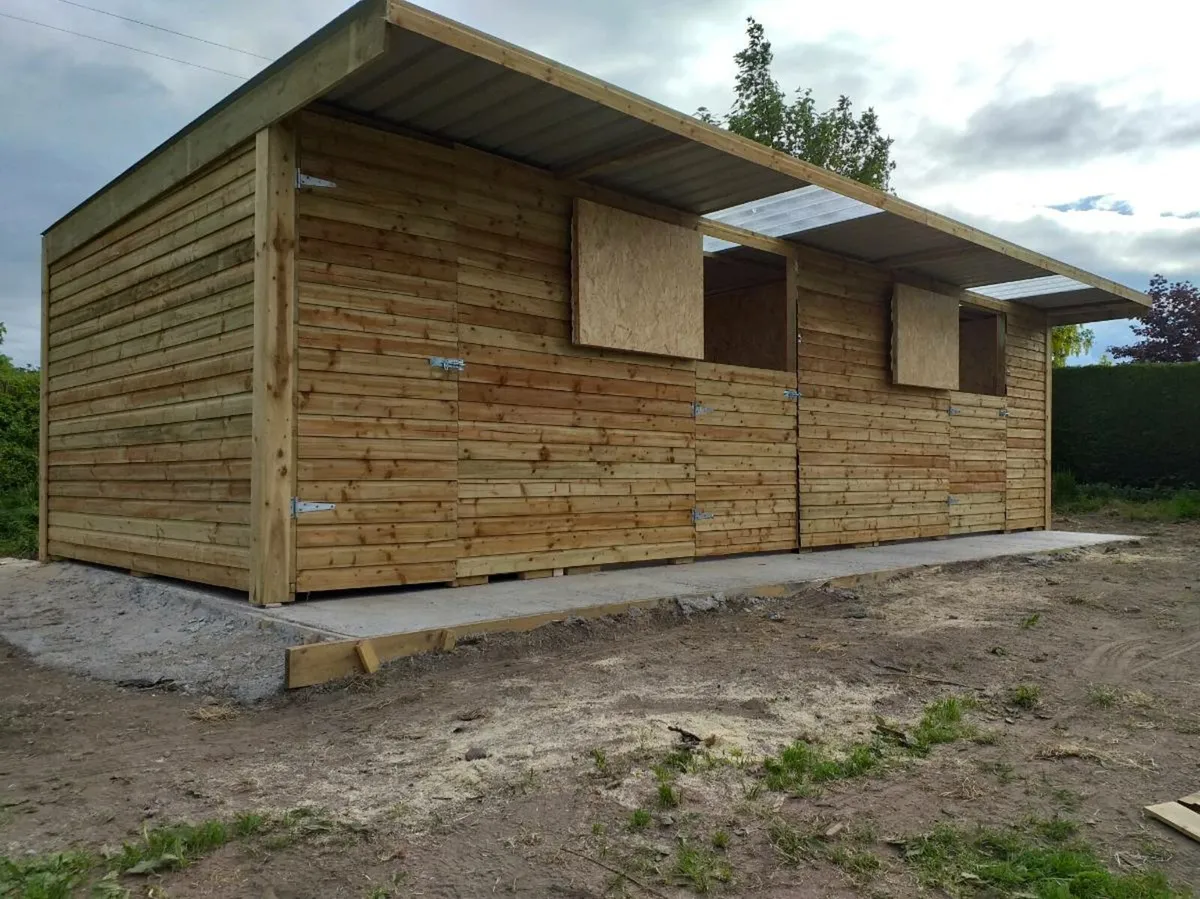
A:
406, 622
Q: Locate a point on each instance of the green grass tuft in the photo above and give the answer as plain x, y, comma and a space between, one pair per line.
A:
720, 839
639, 819
54, 876
1026, 696
942, 722
1041, 861
668, 796
700, 869
170, 847
802, 765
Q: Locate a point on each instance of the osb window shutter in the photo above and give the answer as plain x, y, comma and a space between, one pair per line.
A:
637, 283
924, 338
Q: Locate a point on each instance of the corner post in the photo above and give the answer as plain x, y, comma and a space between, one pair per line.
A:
44, 418
273, 466
1049, 424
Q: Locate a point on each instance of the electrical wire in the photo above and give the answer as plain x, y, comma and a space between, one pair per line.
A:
192, 37
101, 40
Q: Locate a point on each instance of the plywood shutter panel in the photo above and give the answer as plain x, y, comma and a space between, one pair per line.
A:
638, 283
924, 338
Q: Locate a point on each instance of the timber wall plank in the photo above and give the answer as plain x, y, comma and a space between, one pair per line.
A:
978, 453
148, 413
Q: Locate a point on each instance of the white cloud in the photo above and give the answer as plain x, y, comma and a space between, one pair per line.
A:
994, 122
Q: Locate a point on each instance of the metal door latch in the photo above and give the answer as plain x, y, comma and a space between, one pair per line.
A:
789, 394
698, 410
954, 410
448, 364
1003, 413
697, 515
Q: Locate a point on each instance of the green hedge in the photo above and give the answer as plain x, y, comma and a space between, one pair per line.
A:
1135, 425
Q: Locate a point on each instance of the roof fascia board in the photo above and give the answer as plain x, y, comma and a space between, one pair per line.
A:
312, 69
454, 34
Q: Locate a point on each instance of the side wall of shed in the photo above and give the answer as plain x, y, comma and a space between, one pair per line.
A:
148, 386
881, 462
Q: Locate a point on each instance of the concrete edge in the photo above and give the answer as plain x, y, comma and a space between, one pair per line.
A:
311, 664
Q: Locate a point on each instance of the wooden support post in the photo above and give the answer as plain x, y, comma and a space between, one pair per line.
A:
469, 581
533, 575
44, 419
1049, 430
273, 466
793, 364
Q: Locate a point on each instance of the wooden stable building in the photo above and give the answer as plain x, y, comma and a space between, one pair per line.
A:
417, 306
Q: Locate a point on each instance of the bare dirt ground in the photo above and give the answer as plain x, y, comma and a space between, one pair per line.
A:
573, 721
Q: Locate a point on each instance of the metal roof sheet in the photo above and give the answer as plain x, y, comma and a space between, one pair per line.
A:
389, 62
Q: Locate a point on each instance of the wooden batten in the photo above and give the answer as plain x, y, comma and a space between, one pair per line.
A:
273, 465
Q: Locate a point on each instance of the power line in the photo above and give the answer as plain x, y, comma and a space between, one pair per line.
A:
192, 37
101, 40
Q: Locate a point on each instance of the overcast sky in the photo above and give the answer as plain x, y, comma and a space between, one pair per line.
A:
1076, 135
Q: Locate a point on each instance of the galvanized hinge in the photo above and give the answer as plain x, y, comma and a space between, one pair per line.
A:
951, 501
301, 507
1003, 413
697, 515
789, 394
448, 364
303, 180
954, 410
698, 410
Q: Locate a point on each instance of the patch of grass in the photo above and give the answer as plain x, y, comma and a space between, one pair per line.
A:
680, 760
600, 760
802, 765
720, 839
170, 847
792, 844
1025, 696
54, 876
639, 819
700, 869
1103, 696
668, 795
1031, 621
858, 863
1131, 503
1043, 860
247, 824
942, 722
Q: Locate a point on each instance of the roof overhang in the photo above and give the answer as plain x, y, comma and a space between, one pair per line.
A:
395, 64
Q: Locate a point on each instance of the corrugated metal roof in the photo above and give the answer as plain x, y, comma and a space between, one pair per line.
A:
431, 88
432, 76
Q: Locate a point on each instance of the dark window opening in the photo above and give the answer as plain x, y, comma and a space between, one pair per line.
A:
746, 309
980, 351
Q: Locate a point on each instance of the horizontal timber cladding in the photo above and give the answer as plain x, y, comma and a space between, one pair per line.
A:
538, 454
745, 460
1026, 450
149, 385
874, 457
978, 450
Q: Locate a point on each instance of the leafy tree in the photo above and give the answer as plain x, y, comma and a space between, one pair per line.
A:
1170, 331
1070, 340
20, 399
835, 138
